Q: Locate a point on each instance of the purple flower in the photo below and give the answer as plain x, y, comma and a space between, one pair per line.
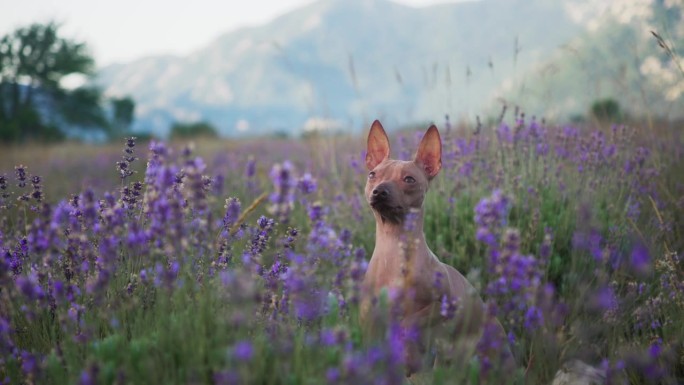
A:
3, 184
265, 223
89, 375
124, 166
29, 286
37, 193
243, 351
491, 215
316, 211
490, 344
448, 307
591, 242
282, 199
250, 168
58, 290
29, 363
227, 377
166, 276
232, 213
20, 172
307, 184
332, 375
328, 337
604, 299
655, 348
640, 260
533, 318
396, 343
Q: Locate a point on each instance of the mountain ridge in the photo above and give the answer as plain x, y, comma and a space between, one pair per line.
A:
344, 61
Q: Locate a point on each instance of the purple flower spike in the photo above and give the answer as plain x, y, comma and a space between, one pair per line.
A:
243, 351
30, 287
491, 216
282, 199
89, 375
641, 260
605, 299
307, 184
233, 208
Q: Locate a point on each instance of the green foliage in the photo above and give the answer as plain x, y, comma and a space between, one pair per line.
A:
38, 53
82, 106
189, 130
28, 124
33, 105
606, 110
123, 115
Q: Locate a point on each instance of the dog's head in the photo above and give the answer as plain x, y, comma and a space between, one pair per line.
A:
394, 186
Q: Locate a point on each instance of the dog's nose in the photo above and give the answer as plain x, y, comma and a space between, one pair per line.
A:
380, 192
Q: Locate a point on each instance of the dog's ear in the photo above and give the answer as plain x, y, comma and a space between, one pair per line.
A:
429, 155
378, 146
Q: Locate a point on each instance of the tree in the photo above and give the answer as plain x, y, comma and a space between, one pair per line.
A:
33, 60
83, 106
606, 110
188, 130
123, 111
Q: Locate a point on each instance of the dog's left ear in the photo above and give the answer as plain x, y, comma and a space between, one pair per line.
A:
429, 155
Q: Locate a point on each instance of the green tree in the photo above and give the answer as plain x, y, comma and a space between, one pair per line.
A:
123, 112
82, 106
606, 110
33, 60
187, 130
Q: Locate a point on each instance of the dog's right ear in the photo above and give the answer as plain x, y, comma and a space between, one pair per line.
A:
378, 146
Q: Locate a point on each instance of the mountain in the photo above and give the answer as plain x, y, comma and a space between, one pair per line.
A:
346, 62
615, 56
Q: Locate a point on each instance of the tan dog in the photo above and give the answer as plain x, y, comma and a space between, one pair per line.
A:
402, 262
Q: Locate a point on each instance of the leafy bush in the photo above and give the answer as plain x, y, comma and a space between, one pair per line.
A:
606, 110
189, 130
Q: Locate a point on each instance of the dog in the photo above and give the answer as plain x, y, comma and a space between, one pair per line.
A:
403, 265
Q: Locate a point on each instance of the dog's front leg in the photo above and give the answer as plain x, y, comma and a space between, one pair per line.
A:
419, 337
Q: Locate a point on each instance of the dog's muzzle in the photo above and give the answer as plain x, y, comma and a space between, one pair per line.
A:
381, 201
379, 196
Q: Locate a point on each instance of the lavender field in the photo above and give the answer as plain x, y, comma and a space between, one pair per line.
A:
240, 262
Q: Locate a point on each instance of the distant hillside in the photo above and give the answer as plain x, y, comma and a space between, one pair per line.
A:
616, 57
349, 61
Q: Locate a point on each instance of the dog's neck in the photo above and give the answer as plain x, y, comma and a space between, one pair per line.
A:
391, 238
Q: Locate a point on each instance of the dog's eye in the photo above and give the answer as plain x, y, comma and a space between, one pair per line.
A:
409, 179
371, 175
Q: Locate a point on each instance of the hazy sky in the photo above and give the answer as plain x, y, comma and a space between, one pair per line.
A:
121, 30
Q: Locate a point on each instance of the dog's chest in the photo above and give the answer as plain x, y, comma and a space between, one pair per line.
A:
400, 278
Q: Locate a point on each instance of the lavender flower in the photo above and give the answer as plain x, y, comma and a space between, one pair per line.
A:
232, 213
307, 184
491, 216
30, 287
3, 186
37, 193
243, 351
21, 175
604, 299
227, 377
4, 192
89, 375
282, 199
124, 166
640, 261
